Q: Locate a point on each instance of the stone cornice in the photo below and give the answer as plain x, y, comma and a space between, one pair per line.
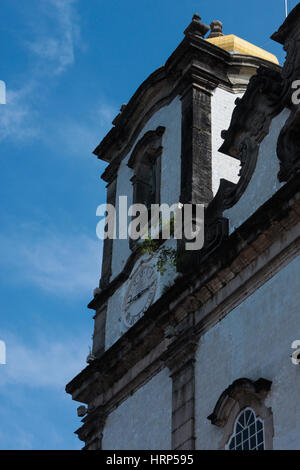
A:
194, 61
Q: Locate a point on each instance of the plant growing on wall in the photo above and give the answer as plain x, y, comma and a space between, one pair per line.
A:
165, 255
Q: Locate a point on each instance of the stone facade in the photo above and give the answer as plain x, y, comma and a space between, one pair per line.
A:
218, 340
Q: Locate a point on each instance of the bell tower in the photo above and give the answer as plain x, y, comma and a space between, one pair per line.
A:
163, 148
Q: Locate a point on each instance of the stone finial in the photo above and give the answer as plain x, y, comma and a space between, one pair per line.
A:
81, 411
216, 28
196, 27
115, 121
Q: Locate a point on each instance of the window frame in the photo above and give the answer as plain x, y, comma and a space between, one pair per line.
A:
235, 433
240, 395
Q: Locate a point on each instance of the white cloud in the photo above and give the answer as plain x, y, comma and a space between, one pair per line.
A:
60, 264
55, 44
55, 36
43, 363
17, 115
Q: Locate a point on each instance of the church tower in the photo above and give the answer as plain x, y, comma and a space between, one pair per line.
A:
165, 369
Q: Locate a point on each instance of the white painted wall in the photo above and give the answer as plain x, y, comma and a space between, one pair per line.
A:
223, 166
170, 118
115, 327
262, 186
254, 341
264, 182
143, 421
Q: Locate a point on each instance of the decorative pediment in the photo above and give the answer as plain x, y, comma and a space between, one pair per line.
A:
250, 123
149, 145
194, 62
288, 146
253, 391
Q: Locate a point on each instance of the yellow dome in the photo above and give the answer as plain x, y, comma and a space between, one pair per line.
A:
232, 43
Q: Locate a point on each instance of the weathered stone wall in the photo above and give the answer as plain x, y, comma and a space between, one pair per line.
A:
254, 341
143, 421
170, 118
223, 166
114, 327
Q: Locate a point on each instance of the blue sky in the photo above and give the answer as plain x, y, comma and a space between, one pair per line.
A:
68, 66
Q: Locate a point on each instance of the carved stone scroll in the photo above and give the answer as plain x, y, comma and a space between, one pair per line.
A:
288, 145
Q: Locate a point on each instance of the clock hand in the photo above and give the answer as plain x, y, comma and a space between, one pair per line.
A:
136, 297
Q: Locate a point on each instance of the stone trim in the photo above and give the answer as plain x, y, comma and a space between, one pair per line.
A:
288, 140
99, 331
150, 143
108, 242
245, 246
250, 123
196, 150
153, 342
194, 59
149, 149
91, 433
241, 394
181, 363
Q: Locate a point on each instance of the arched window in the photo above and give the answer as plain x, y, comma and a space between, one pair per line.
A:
242, 414
248, 432
145, 161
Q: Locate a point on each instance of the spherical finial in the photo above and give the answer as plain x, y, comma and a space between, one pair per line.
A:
216, 28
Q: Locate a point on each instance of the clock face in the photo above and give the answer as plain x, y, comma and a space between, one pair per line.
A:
140, 294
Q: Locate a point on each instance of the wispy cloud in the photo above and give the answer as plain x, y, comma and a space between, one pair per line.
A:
56, 263
54, 37
42, 363
56, 43
17, 115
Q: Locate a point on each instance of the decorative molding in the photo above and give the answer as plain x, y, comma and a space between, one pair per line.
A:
224, 405
196, 27
241, 394
108, 242
189, 309
245, 246
288, 145
216, 29
194, 62
250, 123
149, 144
146, 153
99, 331
196, 159
91, 433
180, 359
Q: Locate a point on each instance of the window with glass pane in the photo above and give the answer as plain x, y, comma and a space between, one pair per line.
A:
248, 432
